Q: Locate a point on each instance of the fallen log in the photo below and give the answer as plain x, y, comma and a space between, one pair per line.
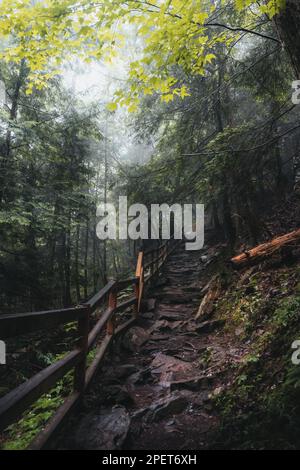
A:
212, 292
260, 252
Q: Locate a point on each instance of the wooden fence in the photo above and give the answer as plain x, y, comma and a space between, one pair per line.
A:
16, 402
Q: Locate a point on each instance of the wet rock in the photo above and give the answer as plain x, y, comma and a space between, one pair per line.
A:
159, 325
174, 298
169, 316
106, 430
195, 289
148, 315
140, 377
161, 282
168, 369
162, 325
116, 394
123, 371
148, 305
192, 383
151, 305
135, 338
163, 409
171, 407
159, 337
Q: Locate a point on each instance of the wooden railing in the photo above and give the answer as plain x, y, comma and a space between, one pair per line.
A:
16, 402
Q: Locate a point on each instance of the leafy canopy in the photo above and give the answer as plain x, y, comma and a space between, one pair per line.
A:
174, 32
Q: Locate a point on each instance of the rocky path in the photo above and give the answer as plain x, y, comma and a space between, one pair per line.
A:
154, 390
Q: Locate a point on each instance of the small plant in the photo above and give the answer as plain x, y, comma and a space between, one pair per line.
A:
287, 311
19, 435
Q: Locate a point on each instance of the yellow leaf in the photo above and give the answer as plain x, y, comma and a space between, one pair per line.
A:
112, 107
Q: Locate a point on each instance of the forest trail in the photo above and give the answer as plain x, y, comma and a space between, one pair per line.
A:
155, 388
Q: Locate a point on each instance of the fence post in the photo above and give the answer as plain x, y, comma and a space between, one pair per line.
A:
83, 333
141, 288
112, 303
140, 282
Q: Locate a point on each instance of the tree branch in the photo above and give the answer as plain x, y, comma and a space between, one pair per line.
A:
242, 30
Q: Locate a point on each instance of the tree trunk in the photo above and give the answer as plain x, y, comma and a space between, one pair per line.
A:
228, 223
53, 250
67, 263
288, 26
77, 282
60, 262
227, 216
86, 252
6, 147
215, 216
95, 273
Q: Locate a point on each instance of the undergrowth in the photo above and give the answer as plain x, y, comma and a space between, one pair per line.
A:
260, 408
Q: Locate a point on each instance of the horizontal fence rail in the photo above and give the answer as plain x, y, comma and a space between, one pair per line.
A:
24, 323
16, 402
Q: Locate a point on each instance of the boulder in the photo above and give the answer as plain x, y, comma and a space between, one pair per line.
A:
106, 430
151, 305
115, 394
168, 369
164, 408
135, 338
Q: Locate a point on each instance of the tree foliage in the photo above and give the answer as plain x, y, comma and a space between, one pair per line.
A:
174, 33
